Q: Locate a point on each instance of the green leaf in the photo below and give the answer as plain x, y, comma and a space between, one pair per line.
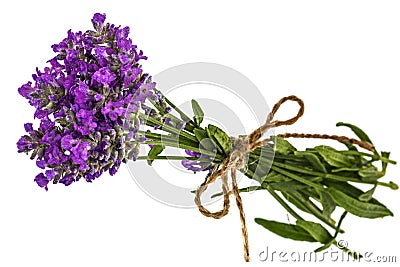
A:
198, 112
200, 134
253, 173
328, 204
297, 199
287, 186
220, 137
274, 176
360, 133
357, 207
349, 190
205, 142
367, 196
333, 157
290, 231
312, 159
153, 153
345, 170
325, 246
317, 231
241, 190
282, 146
301, 179
369, 173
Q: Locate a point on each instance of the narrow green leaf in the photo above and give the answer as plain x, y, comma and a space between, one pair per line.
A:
198, 112
358, 156
345, 170
312, 159
369, 173
297, 199
357, 207
367, 196
287, 186
210, 135
180, 112
253, 172
360, 133
205, 142
298, 178
282, 146
316, 230
333, 157
242, 190
328, 204
274, 176
349, 190
325, 246
290, 231
200, 134
221, 138
153, 153
337, 231
309, 206
281, 201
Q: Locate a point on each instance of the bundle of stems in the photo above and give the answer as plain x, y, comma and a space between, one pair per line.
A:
315, 181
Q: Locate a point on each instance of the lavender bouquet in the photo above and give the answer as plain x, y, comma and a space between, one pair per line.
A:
97, 106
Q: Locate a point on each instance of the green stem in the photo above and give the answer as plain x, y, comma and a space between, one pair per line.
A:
155, 137
168, 128
173, 158
317, 213
185, 146
157, 106
283, 203
297, 178
180, 112
340, 224
330, 176
373, 156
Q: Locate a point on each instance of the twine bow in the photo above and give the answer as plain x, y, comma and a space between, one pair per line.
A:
237, 160
240, 146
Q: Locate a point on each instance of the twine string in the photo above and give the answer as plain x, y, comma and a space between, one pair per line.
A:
242, 145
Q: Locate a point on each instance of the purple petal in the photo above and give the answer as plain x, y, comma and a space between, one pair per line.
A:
26, 89
99, 18
28, 127
42, 180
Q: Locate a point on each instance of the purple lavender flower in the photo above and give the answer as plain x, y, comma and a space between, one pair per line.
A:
145, 91
25, 90
113, 110
28, 127
67, 142
42, 180
80, 155
67, 179
130, 74
103, 76
84, 100
196, 165
25, 144
98, 19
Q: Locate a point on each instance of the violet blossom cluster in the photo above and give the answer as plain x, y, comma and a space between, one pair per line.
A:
197, 165
87, 102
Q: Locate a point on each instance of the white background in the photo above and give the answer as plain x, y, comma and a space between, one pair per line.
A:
341, 57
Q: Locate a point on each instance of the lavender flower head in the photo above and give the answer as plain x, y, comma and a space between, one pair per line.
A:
87, 101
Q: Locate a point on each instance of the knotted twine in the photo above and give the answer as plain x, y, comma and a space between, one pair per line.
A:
236, 160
